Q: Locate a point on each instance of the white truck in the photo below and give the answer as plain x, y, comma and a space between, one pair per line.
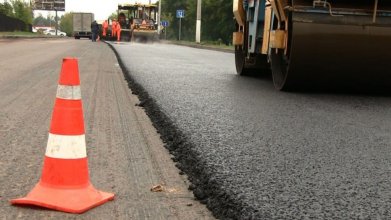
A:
82, 25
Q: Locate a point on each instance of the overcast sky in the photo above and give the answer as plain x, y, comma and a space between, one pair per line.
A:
101, 9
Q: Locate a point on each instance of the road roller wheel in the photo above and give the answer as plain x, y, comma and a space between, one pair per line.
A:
280, 59
240, 54
279, 65
240, 61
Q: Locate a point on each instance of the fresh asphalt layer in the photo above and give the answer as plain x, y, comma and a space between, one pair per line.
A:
252, 152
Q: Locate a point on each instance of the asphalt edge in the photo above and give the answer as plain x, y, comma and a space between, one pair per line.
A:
199, 46
205, 187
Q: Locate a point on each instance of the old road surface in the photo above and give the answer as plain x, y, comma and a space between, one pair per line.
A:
255, 153
125, 153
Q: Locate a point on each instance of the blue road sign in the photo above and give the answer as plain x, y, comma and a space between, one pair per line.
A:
180, 13
164, 23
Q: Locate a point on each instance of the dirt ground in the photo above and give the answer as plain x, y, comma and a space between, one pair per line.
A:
125, 153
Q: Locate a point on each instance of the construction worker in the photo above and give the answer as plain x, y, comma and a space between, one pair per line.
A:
105, 25
122, 18
113, 28
118, 29
94, 30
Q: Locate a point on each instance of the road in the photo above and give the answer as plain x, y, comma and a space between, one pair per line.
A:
125, 153
252, 152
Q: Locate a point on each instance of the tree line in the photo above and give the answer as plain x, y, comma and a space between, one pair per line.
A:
217, 20
50, 20
17, 9
23, 11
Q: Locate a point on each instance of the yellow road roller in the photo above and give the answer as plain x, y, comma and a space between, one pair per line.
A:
313, 42
138, 23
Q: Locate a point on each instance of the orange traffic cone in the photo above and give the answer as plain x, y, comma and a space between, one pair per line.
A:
65, 184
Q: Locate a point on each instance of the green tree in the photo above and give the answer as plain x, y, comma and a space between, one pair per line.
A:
39, 20
217, 22
22, 11
66, 24
50, 20
6, 9
113, 15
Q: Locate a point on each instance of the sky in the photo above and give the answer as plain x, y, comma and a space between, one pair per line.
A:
101, 9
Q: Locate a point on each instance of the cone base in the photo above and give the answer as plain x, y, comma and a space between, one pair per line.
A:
66, 200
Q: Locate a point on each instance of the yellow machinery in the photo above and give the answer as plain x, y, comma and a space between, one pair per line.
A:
138, 22
314, 42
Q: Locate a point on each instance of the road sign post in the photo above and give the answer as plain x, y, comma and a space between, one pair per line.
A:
165, 25
180, 14
165, 33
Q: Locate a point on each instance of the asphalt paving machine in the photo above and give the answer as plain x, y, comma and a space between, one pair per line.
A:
138, 23
313, 42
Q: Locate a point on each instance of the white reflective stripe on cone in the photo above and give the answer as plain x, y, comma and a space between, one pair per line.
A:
66, 146
68, 92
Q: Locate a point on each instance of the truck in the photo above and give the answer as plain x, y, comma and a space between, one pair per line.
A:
307, 43
82, 25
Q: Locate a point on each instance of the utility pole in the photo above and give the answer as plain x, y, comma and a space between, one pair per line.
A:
158, 17
56, 22
198, 31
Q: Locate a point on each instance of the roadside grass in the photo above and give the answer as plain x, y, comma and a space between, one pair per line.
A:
23, 33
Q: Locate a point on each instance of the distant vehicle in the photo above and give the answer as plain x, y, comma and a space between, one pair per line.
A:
53, 32
82, 25
42, 30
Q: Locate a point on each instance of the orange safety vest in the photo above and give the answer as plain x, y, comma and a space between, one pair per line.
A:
114, 25
118, 26
105, 24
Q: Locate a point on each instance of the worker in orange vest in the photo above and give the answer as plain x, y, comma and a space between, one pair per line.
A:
105, 25
118, 28
113, 28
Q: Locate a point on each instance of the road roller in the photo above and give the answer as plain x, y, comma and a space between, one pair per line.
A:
138, 23
313, 43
